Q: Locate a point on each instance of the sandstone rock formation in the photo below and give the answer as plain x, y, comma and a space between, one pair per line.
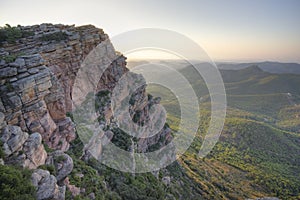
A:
24, 98
36, 89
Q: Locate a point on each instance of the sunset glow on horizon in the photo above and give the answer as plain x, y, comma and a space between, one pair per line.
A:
230, 30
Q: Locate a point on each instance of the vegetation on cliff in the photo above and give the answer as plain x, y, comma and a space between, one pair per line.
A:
11, 34
15, 183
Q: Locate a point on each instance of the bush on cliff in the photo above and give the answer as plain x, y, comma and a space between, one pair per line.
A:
15, 184
57, 36
11, 34
2, 154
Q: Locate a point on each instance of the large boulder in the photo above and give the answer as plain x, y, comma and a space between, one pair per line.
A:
62, 162
12, 138
22, 149
34, 151
46, 185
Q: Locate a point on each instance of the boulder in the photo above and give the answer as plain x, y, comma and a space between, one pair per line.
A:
63, 164
46, 185
166, 180
34, 151
12, 138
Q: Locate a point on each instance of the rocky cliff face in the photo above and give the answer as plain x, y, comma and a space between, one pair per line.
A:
37, 76
26, 95
21, 148
36, 88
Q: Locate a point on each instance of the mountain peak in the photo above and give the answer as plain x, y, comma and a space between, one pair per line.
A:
252, 69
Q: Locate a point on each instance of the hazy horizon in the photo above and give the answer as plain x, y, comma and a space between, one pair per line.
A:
238, 31
137, 59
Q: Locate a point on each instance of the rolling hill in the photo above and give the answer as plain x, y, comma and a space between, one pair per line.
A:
258, 153
272, 67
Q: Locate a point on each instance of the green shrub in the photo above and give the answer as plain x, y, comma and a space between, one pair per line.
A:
10, 58
47, 148
76, 147
70, 114
2, 154
57, 36
12, 34
15, 184
60, 158
50, 168
91, 181
101, 99
150, 97
132, 100
121, 139
103, 93
9, 87
137, 116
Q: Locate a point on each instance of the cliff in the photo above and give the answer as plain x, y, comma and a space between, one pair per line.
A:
37, 76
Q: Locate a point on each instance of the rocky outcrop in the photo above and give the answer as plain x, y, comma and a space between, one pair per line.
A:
22, 149
62, 162
166, 180
13, 139
37, 92
155, 142
25, 96
42, 80
36, 88
27, 150
34, 151
63, 48
46, 185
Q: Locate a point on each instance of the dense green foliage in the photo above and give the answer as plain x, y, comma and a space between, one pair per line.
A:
12, 34
270, 156
15, 184
121, 139
255, 156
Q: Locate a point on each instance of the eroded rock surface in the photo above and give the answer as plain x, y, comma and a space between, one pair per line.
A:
46, 185
62, 162
36, 88
22, 149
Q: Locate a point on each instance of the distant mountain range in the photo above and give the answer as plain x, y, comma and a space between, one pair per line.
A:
267, 66
272, 67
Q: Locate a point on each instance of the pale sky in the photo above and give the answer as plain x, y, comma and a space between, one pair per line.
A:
230, 30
